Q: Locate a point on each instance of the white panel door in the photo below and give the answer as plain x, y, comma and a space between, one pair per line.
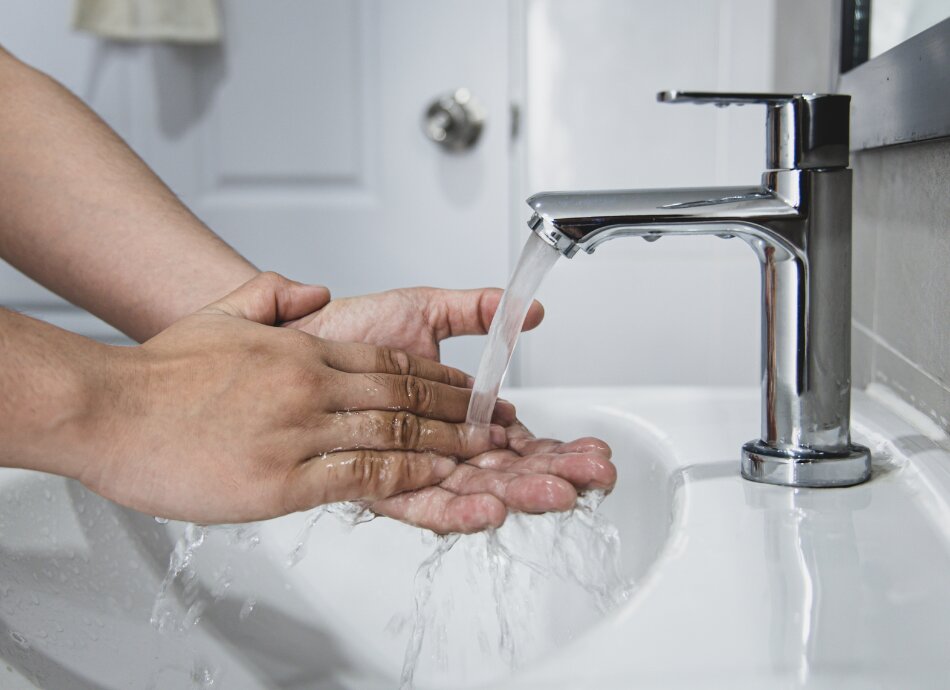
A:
298, 139
302, 145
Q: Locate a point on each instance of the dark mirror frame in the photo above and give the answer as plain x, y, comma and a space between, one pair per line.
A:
900, 96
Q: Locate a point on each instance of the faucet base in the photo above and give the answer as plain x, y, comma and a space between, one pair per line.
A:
805, 468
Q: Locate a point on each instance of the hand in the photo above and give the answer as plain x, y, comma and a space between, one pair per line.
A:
223, 418
532, 476
415, 320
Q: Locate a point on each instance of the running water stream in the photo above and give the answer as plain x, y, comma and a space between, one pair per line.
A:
537, 258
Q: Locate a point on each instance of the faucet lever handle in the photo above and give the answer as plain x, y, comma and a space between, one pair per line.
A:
804, 131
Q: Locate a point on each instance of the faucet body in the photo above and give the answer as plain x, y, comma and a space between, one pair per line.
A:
798, 223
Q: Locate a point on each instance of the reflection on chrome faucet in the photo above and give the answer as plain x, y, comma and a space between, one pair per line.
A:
798, 223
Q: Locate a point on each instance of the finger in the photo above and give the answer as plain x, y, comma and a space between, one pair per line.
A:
357, 358
582, 470
443, 512
470, 312
364, 475
525, 443
420, 396
504, 413
378, 430
533, 446
269, 298
527, 493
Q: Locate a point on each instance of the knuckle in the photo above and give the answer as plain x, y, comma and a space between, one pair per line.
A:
271, 278
462, 438
396, 361
419, 394
406, 430
365, 473
376, 476
296, 494
413, 474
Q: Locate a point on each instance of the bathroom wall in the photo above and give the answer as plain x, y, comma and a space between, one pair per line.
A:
901, 324
901, 224
678, 311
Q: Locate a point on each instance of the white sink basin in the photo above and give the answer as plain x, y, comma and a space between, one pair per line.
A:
737, 584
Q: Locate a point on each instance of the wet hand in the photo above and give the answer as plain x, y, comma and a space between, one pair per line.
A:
531, 475
224, 418
415, 320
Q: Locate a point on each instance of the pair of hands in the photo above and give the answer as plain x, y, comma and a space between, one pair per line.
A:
223, 418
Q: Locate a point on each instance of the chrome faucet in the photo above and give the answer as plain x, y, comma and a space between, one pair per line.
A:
798, 223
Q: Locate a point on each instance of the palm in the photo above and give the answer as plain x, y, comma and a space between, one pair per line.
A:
531, 475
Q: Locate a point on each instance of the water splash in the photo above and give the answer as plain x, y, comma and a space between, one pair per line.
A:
203, 676
303, 537
501, 569
180, 562
424, 580
510, 571
246, 608
351, 513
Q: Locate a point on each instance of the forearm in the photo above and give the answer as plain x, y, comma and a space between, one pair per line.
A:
53, 383
83, 215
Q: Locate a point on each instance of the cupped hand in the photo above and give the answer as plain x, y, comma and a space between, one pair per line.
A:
415, 320
531, 475
224, 418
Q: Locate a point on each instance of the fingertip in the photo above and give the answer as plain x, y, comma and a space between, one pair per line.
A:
537, 493
504, 413
588, 444
323, 292
443, 467
587, 471
534, 316
609, 479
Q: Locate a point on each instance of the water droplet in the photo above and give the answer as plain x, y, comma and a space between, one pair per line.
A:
203, 675
20, 640
247, 608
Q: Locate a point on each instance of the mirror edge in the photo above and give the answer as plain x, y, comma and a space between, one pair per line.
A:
903, 95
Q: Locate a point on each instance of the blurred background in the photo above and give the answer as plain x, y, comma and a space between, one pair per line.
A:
297, 136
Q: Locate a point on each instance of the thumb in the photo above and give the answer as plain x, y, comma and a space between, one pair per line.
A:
470, 312
270, 298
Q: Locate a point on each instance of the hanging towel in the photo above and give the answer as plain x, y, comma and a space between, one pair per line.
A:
192, 21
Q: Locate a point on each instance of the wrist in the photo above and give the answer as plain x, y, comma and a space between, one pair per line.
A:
106, 399
55, 392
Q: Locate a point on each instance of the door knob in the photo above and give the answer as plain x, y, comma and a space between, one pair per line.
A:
454, 121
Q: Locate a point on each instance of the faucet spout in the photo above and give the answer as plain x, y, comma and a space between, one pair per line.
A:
798, 223
761, 215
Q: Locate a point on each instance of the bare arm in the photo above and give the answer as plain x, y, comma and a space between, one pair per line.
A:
84, 216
